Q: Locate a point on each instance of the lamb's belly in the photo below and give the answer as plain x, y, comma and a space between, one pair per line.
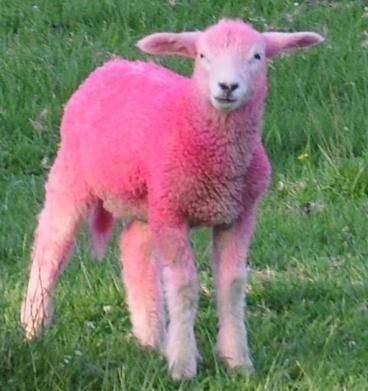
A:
125, 209
200, 206
213, 212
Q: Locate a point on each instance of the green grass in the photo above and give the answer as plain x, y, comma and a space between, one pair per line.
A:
307, 292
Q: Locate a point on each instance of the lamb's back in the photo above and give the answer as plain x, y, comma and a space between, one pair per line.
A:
112, 117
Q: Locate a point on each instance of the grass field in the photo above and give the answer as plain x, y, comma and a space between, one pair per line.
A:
308, 289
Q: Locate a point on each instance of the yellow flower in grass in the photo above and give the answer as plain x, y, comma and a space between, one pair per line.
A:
303, 156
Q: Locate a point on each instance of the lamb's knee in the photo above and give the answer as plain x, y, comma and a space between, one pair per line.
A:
236, 289
188, 294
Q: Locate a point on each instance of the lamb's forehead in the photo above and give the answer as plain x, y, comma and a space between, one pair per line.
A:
230, 34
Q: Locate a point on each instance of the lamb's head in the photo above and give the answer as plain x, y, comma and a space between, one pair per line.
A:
230, 58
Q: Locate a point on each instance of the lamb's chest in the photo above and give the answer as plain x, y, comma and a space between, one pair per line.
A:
214, 202
212, 179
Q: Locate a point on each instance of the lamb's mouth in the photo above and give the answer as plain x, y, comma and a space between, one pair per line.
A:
225, 100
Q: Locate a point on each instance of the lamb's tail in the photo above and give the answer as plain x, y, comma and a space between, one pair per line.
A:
101, 224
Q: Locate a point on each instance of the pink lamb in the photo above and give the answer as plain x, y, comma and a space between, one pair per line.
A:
166, 153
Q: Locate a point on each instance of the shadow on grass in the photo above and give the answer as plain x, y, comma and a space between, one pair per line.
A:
298, 329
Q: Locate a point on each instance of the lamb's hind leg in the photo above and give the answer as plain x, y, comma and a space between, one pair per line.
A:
65, 203
141, 275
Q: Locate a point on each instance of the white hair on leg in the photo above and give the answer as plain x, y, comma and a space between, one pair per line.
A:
230, 248
181, 348
181, 291
141, 274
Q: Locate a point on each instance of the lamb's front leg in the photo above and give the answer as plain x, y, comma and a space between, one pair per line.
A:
181, 288
229, 253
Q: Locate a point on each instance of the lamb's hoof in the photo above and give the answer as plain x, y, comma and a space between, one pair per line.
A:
32, 328
246, 366
183, 369
33, 322
182, 360
150, 340
238, 360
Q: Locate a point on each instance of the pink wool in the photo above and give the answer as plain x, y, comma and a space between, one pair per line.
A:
162, 149
166, 153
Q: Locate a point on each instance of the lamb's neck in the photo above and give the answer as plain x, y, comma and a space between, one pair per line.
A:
241, 126
219, 145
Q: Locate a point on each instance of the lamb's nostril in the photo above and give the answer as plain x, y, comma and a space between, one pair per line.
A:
224, 86
233, 86
228, 87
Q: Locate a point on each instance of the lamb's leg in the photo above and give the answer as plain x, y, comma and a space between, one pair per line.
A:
181, 288
58, 221
141, 274
229, 253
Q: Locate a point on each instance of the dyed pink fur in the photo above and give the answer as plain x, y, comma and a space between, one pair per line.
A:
166, 153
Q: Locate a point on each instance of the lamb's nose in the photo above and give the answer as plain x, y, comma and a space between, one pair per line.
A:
228, 87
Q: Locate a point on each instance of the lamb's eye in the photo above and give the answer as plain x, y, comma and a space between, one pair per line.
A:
257, 56
201, 55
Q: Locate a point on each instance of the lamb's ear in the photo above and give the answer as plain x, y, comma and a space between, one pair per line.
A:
182, 44
277, 42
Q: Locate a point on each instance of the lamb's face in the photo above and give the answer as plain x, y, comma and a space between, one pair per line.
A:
230, 58
230, 64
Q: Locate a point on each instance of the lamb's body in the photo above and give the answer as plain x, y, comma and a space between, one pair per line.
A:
165, 153
125, 144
